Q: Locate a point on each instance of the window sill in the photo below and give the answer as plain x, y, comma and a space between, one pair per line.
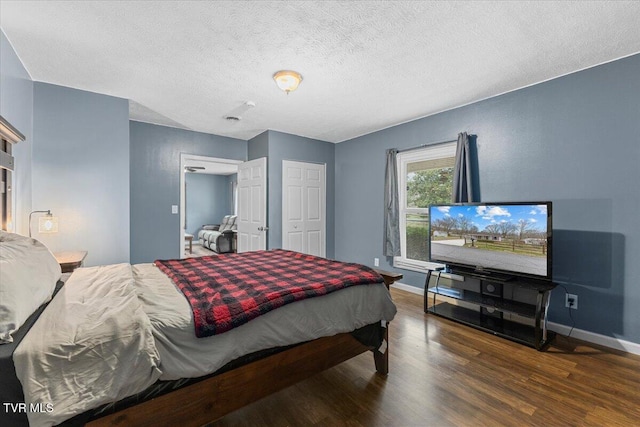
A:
418, 266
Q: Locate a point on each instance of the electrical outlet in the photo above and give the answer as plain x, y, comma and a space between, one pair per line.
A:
571, 301
376, 262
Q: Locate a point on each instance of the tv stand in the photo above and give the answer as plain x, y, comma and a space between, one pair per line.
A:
488, 302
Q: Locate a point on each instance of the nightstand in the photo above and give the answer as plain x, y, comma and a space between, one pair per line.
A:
70, 260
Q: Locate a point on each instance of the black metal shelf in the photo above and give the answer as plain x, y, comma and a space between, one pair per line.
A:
500, 304
524, 334
539, 285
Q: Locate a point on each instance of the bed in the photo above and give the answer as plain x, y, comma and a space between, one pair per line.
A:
163, 373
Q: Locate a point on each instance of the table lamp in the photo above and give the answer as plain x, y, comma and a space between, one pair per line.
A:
46, 224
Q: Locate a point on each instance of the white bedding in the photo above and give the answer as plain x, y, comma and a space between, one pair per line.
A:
182, 355
92, 345
28, 276
114, 330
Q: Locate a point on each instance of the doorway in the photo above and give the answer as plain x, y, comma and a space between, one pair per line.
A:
202, 165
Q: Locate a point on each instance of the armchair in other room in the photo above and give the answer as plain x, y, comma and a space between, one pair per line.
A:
219, 237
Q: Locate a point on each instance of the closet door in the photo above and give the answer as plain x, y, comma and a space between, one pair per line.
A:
304, 207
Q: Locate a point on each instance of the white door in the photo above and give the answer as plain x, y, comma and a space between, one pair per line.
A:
252, 205
303, 207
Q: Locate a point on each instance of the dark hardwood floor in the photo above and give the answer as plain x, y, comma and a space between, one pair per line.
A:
446, 374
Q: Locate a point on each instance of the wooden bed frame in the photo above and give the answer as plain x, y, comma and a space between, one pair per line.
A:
213, 398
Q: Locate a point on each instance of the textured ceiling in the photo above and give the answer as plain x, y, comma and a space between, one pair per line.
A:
366, 65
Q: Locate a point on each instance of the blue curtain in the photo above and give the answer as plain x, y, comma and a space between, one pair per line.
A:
462, 174
391, 206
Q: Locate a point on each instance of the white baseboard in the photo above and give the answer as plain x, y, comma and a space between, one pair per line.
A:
592, 337
408, 288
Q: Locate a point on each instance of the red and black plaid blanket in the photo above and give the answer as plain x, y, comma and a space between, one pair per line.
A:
228, 290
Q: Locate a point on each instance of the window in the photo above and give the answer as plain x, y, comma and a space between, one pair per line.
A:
8, 135
5, 185
425, 176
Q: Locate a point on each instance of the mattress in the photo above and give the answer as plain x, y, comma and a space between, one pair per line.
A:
182, 355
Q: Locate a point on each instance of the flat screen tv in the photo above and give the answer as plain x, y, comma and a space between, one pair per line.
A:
512, 239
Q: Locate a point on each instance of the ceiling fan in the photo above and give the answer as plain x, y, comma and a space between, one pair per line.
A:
193, 168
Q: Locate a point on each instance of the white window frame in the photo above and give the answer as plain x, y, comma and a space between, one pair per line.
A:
433, 152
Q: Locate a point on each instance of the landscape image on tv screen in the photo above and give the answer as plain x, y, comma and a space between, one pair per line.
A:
509, 237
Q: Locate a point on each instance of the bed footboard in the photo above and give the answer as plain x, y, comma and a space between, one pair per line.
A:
217, 396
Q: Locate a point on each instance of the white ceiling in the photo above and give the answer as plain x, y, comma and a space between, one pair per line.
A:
366, 65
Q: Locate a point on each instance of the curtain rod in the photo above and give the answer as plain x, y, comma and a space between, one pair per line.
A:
427, 145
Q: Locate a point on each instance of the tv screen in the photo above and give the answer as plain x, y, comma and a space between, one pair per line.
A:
510, 238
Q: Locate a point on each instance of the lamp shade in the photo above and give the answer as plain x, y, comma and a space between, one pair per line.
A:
287, 80
48, 224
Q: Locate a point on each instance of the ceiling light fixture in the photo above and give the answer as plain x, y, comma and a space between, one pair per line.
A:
287, 80
193, 168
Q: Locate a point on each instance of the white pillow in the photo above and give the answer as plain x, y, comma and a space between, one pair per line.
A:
28, 276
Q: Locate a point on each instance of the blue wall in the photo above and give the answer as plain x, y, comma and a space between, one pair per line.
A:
208, 200
155, 183
81, 170
258, 146
278, 146
575, 141
16, 106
